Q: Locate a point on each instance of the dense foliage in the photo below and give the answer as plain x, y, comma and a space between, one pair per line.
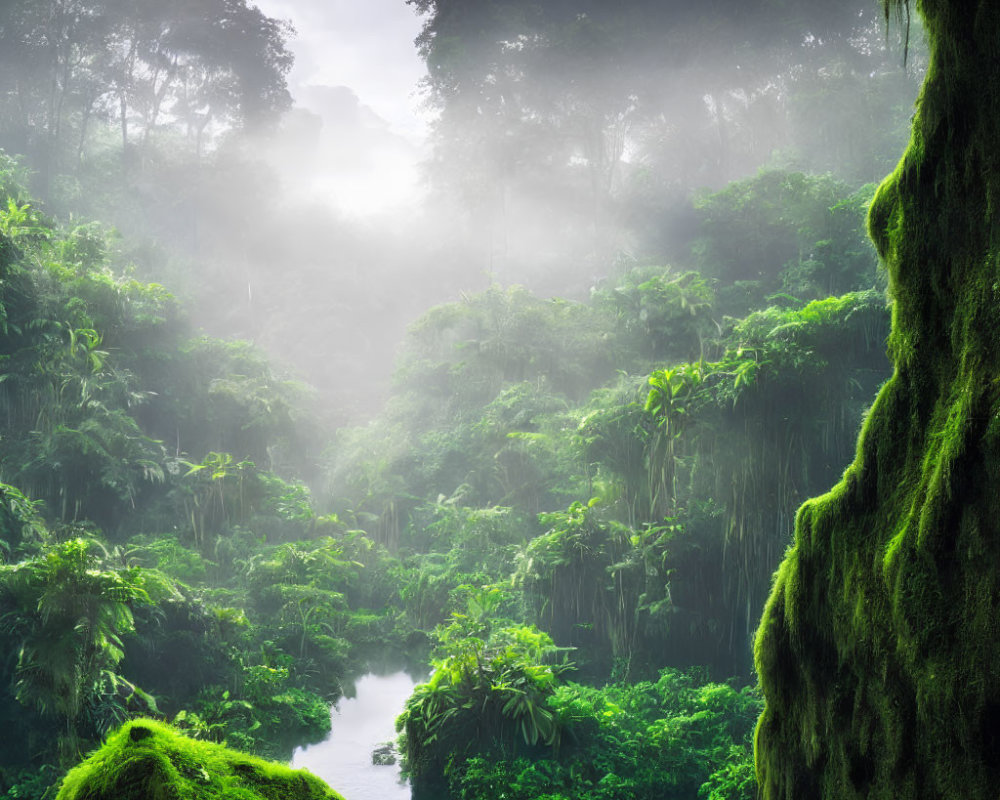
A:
672, 488
498, 719
622, 474
619, 473
152, 561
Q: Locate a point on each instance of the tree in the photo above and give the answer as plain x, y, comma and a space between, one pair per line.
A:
488, 694
625, 107
878, 647
68, 613
146, 65
783, 231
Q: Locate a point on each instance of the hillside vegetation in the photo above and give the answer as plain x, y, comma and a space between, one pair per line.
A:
620, 474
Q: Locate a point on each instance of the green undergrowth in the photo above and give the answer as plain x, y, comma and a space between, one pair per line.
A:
499, 718
878, 647
146, 759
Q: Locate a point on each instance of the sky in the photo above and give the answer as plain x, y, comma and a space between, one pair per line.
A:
357, 71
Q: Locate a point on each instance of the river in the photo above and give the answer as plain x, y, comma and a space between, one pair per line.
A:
359, 725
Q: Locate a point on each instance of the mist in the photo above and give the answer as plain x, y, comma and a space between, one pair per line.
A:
550, 151
542, 156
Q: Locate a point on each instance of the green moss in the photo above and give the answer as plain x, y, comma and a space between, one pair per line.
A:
878, 648
147, 760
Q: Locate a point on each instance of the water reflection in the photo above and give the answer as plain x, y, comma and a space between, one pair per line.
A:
360, 724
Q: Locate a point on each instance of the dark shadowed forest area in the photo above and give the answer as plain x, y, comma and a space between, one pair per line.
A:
521, 396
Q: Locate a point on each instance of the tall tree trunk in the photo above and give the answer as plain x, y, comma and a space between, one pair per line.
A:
879, 645
124, 90
123, 113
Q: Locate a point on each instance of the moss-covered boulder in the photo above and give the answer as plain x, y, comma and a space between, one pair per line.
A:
147, 760
879, 649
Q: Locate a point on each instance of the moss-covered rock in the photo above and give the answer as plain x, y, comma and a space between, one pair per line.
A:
879, 648
147, 760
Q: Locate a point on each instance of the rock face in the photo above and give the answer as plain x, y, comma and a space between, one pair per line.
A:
879, 649
146, 759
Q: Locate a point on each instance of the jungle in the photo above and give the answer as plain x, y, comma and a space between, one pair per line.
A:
537, 433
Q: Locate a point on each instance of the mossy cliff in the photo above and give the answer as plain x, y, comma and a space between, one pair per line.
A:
146, 759
879, 649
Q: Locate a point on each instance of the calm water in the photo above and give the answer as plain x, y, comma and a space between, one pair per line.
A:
360, 724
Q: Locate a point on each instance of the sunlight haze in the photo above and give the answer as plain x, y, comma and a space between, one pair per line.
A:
357, 69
